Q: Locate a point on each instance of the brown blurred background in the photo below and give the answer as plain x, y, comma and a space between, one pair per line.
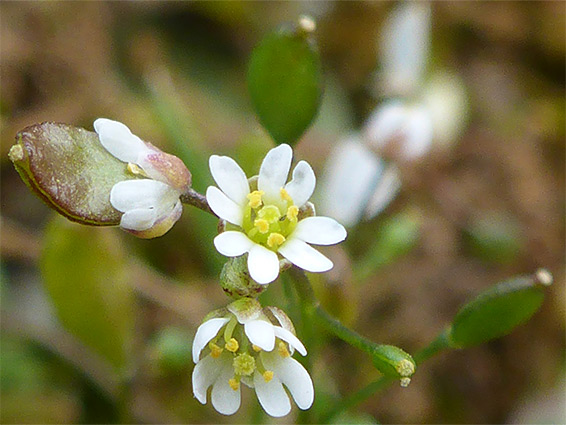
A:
171, 70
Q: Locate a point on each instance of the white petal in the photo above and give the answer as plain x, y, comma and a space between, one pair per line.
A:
139, 219
386, 123
274, 171
205, 374
320, 231
263, 264
230, 178
272, 396
289, 337
224, 399
418, 133
304, 256
223, 206
232, 243
260, 333
303, 183
349, 176
119, 140
144, 193
404, 46
205, 333
387, 188
296, 378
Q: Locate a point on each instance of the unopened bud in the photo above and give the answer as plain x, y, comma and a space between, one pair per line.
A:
235, 279
394, 362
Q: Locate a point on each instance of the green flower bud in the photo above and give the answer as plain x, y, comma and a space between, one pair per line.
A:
235, 279
394, 362
70, 171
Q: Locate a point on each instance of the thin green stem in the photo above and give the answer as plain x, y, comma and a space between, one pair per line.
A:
192, 197
312, 307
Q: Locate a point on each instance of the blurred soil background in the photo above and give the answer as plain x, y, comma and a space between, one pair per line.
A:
492, 206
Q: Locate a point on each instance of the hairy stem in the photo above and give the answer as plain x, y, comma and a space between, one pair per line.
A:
192, 197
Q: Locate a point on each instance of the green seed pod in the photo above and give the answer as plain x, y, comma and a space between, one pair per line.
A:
500, 309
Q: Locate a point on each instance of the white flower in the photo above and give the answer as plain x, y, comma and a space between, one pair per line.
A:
404, 46
403, 129
357, 184
151, 205
260, 357
265, 222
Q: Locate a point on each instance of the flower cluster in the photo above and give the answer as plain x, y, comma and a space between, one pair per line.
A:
247, 344
150, 200
267, 216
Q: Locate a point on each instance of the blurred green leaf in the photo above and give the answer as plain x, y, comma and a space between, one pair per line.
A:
497, 311
285, 83
172, 349
69, 169
494, 238
85, 276
396, 236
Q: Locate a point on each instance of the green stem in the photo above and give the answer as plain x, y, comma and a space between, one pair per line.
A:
312, 307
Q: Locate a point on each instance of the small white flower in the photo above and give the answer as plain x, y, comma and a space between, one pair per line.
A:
260, 357
151, 205
402, 129
265, 222
405, 47
357, 184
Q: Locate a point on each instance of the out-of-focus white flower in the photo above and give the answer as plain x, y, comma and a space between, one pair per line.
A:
404, 131
356, 184
404, 47
264, 222
150, 204
446, 101
244, 345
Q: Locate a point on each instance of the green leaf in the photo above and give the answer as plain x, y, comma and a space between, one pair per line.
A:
285, 83
497, 311
69, 169
85, 276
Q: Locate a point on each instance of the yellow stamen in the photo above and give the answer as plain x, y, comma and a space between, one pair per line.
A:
232, 345
135, 169
275, 240
292, 213
234, 384
282, 348
255, 198
285, 195
262, 225
268, 375
256, 348
215, 350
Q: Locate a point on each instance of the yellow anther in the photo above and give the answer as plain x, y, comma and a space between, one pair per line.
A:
234, 384
262, 225
232, 345
255, 198
283, 351
215, 350
268, 375
135, 169
256, 348
285, 195
275, 240
292, 213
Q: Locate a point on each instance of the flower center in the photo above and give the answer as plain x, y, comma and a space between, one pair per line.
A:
244, 364
270, 224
